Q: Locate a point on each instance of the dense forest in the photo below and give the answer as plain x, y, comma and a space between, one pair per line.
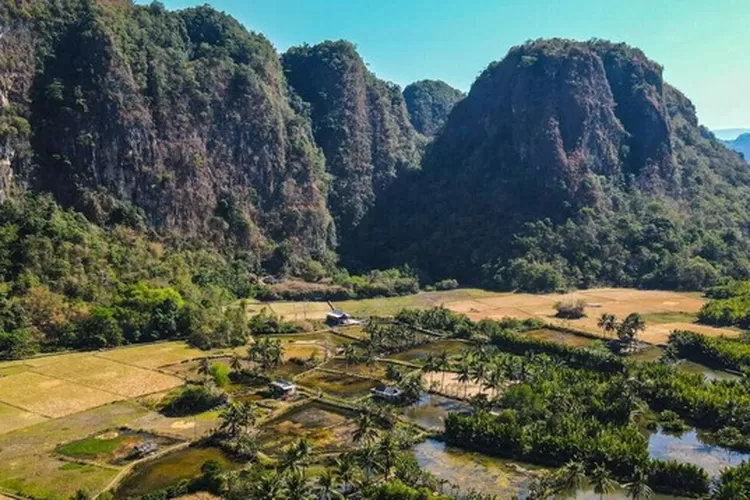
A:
429, 103
156, 164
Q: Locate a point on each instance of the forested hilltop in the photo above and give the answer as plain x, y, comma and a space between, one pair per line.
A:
569, 164
155, 165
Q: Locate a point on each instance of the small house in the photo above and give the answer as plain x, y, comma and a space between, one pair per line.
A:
387, 393
337, 318
145, 448
283, 389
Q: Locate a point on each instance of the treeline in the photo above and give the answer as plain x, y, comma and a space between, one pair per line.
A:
343, 286
712, 405
717, 352
558, 415
729, 305
68, 284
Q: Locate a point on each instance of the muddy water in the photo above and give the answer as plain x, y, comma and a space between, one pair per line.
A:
170, 469
654, 353
430, 410
420, 353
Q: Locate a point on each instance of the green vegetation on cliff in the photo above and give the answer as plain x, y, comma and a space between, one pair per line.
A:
569, 164
429, 102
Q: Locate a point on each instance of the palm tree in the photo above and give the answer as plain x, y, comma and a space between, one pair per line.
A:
602, 481
392, 372
297, 486
350, 355
542, 488
608, 323
269, 487
204, 368
442, 365
326, 486
572, 477
346, 471
388, 452
429, 366
236, 363
638, 488
237, 418
464, 376
365, 431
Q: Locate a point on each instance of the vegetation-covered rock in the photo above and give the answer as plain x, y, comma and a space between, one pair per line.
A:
569, 164
429, 103
359, 121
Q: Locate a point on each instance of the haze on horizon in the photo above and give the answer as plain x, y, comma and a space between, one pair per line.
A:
702, 45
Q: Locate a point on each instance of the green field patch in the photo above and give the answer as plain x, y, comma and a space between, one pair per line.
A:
670, 317
113, 447
564, 338
337, 384
420, 353
375, 370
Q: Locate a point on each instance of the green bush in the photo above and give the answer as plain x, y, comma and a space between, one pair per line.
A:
220, 374
194, 399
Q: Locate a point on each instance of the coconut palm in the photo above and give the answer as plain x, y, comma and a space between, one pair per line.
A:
442, 364
430, 366
464, 376
638, 488
297, 486
602, 481
388, 452
572, 477
365, 431
327, 486
346, 470
607, 323
392, 372
236, 363
350, 355
204, 368
237, 418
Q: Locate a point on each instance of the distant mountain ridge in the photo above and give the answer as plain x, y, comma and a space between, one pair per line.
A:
730, 134
742, 145
429, 103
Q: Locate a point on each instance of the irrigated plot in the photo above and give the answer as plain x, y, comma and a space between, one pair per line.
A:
418, 354
111, 376
337, 384
14, 418
50, 397
154, 355
375, 370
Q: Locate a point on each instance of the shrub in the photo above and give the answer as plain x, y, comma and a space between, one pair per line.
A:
194, 399
449, 284
220, 374
571, 309
680, 479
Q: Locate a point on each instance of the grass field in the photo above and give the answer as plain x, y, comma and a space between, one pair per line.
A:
664, 311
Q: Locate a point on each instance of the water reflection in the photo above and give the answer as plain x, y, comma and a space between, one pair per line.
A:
690, 448
430, 410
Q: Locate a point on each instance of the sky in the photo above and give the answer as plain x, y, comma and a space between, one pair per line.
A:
704, 45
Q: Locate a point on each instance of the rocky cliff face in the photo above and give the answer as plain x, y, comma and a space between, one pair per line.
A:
181, 119
360, 122
558, 132
429, 102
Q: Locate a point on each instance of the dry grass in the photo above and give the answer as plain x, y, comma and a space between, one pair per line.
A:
111, 376
451, 386
27, 463
13, 418
618, 301
154, 355
50, 397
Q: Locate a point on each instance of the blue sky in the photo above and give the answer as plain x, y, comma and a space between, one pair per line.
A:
704, 45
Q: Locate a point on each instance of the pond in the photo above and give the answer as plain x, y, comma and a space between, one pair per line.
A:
420, 353
473, 471
328, 427
430, 410
564, 338
654, 354
337, 384
691, 447
115, 447
170, 469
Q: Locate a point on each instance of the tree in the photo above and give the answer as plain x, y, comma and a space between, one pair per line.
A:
630, 327
350, 355
326, 486
442, 364
388, 451
607, 323
204, 368
602, 481
464, 376
366, 430
236, 363
297, 486
219, 374
638, 488
237, 418
572, 477
346, 470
